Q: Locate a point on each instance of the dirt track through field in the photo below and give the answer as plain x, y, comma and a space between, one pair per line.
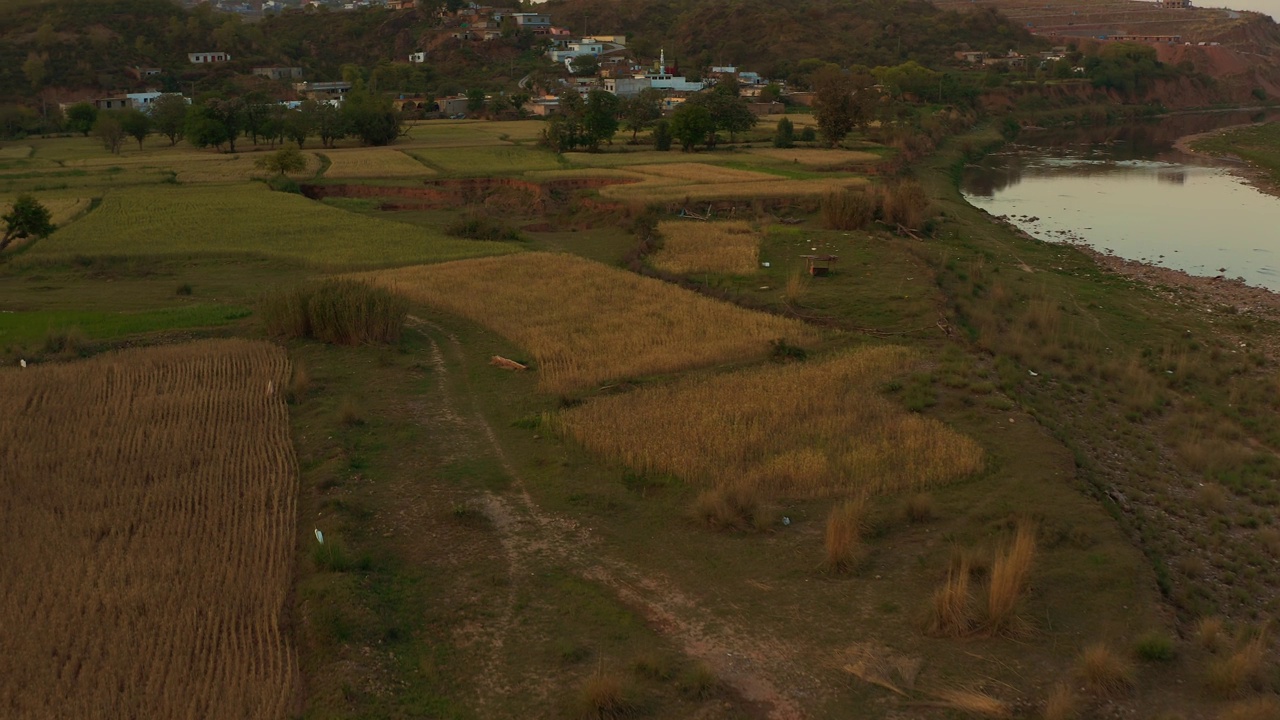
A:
763, 670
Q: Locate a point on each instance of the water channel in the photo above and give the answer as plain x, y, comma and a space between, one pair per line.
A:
1125, 189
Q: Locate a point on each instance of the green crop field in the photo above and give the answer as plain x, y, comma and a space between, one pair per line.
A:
250, 219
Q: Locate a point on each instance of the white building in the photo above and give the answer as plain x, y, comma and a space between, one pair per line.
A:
532, 21
626, 86
142, 101
577, 48
418, 57
208, 57
661, 78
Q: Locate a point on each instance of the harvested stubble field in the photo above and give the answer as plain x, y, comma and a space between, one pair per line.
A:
701, 173
721, 247
772, 188
373, 162
489, 159
147, 510
249, 219
805, 430
586, 323
816, 157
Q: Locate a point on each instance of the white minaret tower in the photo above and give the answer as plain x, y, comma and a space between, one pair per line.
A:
662, 60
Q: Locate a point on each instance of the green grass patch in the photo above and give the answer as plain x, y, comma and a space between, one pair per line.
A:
27, 328
249, 219
1258, 144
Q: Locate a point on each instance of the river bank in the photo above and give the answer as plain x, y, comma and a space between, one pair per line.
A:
1252, 173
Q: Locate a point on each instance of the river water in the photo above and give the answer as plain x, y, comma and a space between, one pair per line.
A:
1126, 190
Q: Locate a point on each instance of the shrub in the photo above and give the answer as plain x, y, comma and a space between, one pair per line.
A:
919, 508
1211, 633
1103, 672
1269, 539
699, 681
184, 289
1155, 646
905, 204
733, 506
349, 412
475, 226
662, 135
848, 210
65, 340
1228, 676
603, 696
844, 535
1262, 708
785, 135
782, 351
341, 312
952, 612
1062, 703
809, 135
1009, 578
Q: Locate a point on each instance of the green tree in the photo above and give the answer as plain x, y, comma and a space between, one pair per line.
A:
81, 117
785, 135
600, 118
169, 115
662, 135
35, 70
692, 123
109, 130
475, 102
841, 102
642, 111
771, 93
203, 128
136, 124
564, 132
282, 161
372, 117
330, 125
27, 218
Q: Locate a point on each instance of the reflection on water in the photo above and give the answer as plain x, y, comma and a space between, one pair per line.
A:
1129, 193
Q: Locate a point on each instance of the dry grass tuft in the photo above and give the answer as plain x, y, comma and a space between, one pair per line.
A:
586, 323
721, 247
843, 539
974, 702
699, 682
953, 610
796, 288
803, 430
605, 696
1009, 578
299, 383
848, 210
1211, 633
1269, 540
1212, 498
906, 204
1227, 677
1261, 708
919, 508
1062, 703
1103, 672
342, 312
733, 506
157, 528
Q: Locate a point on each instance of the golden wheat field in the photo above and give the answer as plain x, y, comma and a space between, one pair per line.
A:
803, 430
147, 511
720, 247
586, 323
373, 162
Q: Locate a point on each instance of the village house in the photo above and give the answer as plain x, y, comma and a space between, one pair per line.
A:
335, 90
543, 106
117, 102
971, 56
400, 4
532, 21
1149, 39
279, 73
199, 58
661, 77
1175, 4
418, 57
577, 48
625, 87
142, 73
452, 106
1012, 60
143, 100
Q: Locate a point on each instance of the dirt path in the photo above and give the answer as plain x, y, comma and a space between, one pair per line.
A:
764, 671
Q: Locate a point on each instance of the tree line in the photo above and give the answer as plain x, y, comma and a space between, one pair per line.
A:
219, 121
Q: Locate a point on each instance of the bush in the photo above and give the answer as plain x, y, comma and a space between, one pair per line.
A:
905, 204
1155, 646
605, 695
843, 539
284, 183
848, 210
1103, 672
785, 135
782, 351
808, 135
66, 340
919, 508
662, 136
341, 312
699, 682
736, 506
475, 226
184, 289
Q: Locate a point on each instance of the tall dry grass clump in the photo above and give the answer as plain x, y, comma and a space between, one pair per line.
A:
1062, 703
975, 703
800, 430
733, 506
147, 514
342, 312
843, 539
718, 247
1228, 676
905, 203
605, 696
848, 210
1009, 573
1103, 672
586, 323
952, 612
1260, 708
